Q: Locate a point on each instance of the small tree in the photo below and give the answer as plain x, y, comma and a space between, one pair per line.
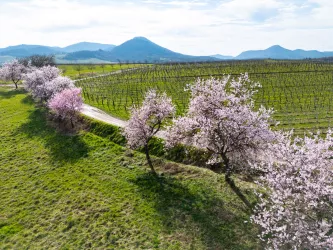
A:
78, 68
120, 64
221, 119
67, 104
102, 66
13, 71
296, 211
91, 67
38, 61
147, 120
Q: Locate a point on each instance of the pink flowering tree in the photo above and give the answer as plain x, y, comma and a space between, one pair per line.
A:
57, 85
36, 81
221, 120
13, 71
45, 82
66, 104
296, 211
147, 120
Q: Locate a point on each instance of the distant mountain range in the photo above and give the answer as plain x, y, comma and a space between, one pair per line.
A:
137, 49
88, 46
278, 52
24, 50
143, 50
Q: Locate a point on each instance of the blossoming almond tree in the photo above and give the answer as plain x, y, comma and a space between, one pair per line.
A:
37, 80
297, 210
147, 120
13, 71
221, 119
46, 81
57, 85
67, 103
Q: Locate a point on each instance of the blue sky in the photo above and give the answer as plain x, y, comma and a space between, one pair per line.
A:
197, 27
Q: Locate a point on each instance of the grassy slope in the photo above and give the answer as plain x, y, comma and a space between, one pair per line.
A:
83, 191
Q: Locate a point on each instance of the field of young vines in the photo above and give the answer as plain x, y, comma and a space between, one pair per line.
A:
301, 92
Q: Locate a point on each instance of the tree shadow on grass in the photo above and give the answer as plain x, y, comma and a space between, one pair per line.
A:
196, 216
28, 100
7, 94
63, 148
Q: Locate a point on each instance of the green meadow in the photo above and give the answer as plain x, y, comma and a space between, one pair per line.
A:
83, 191
79, 71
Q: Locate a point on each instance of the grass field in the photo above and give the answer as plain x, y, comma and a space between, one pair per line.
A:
83, 191
79, 71
301, 92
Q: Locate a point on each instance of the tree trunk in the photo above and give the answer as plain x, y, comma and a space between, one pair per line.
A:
232, 184
149, 160
72, 122
15, 82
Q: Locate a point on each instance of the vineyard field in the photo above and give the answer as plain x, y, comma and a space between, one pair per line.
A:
301, 92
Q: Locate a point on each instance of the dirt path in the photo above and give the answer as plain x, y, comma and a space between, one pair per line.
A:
100, 115
9, 85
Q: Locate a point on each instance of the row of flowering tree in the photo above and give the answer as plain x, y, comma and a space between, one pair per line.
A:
48, 86
295, 209
59, 93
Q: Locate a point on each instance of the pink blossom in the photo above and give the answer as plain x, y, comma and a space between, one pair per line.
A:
221, 119
147, 120
296, 211
57, 85
44, 82
13, 71
67, 103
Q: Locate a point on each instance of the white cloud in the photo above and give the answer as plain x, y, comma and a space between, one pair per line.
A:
192, 27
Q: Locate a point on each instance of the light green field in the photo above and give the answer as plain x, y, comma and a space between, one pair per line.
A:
85, 192
300, 92
79, 71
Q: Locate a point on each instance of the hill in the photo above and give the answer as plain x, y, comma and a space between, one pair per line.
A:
24, 50
278, 52
27, 50
82, 191
222, 57
139, 49
86, 46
